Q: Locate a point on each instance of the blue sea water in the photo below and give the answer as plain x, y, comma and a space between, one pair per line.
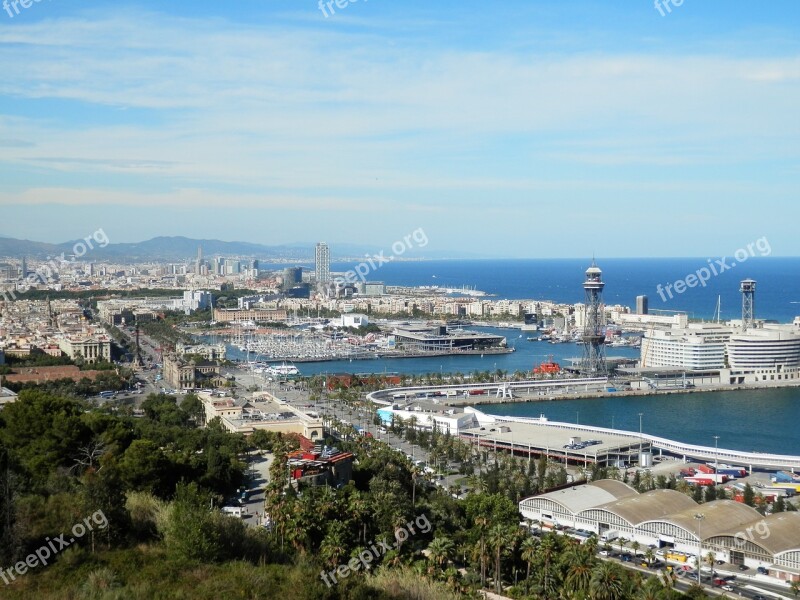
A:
760, 420
777, 293
526, 356
747, 420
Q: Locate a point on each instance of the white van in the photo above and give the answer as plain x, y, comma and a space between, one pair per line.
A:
234, 511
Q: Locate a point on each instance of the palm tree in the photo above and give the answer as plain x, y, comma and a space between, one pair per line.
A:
547, 551
710, 560
591, 544
528, 548
795, 587
441, 551
482, 523
607, 582
621, 541
333, 547
649, 555
651, 590
667, 580
500, 536
579, 577
635, 546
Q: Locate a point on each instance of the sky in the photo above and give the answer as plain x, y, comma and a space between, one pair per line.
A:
517, 129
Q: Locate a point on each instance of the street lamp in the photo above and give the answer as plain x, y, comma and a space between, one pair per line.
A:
640, 438
699, 518
716, 454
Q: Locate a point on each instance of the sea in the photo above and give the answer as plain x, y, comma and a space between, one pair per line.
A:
560, 280
759, 420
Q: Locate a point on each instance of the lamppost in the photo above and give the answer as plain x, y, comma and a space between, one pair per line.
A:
699, 518
716, 454
640, 439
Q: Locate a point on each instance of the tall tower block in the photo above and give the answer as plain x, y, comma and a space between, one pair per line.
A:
322, 263
594, 359
748, 289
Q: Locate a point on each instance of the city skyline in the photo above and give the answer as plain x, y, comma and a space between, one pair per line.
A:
285, 125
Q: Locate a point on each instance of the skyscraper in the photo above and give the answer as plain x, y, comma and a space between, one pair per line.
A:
322, 262
199, 261
641, 305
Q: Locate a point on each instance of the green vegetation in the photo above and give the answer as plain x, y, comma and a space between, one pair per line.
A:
157, 478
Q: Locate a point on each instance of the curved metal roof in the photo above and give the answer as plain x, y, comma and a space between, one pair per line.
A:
719, 518
578, 498
650, 506
777, 533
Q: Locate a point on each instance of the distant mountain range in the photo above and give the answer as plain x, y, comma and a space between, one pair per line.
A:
182, 248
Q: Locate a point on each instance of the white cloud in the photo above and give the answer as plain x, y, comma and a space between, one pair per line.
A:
286, 115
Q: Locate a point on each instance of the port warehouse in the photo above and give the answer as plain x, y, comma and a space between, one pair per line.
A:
673, 522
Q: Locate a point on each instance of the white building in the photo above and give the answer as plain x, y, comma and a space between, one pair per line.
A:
196, 300
770, 353
697, 346
766, 352
677, 526
91, 348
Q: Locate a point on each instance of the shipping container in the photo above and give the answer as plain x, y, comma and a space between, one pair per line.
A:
791, 486
700, 481
705, 469
784, 477
733, 472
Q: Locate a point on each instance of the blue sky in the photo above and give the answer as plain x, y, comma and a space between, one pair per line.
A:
521, 129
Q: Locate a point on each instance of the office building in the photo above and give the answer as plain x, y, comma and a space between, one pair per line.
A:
641, 305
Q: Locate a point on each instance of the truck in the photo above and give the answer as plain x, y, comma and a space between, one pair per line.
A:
784, 477
689, 472
789, 486
699, 480
609, 536
732, 472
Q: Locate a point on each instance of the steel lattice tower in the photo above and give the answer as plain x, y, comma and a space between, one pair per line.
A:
594, 359
748, 289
